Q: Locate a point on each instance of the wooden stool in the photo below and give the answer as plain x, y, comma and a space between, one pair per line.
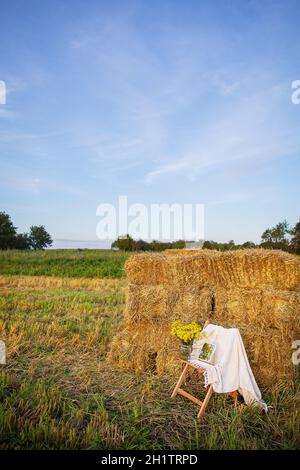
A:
180, 391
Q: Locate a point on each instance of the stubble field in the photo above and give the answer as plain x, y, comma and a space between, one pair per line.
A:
57, 390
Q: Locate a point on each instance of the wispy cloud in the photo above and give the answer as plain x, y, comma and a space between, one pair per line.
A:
246, 134
177, 166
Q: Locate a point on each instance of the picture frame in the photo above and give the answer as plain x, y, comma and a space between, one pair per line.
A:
207, 352
203, 350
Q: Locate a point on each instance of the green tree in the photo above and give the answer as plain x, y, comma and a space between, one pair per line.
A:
39, 237
295, 240
124, 243
276, 237
8, 232
248, 244
179, 244
141, 245
230, 245
210, 245
22, 241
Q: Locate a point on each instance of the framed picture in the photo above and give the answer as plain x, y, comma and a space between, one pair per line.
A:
207, 352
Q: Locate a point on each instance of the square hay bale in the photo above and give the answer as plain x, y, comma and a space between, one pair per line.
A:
269, 351
174, 271
263, 308
148, 269
241, 268
146, 347
282, 308
257, 269
268, 321
154, 303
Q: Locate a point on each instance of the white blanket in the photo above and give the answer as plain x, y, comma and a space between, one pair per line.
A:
231, 370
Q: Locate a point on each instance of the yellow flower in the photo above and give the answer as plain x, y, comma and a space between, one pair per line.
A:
186, 332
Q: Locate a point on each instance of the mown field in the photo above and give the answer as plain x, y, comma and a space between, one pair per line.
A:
58, 392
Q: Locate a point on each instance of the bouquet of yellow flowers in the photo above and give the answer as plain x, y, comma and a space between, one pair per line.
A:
186, 332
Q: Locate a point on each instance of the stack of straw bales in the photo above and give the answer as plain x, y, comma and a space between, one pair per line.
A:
257, 291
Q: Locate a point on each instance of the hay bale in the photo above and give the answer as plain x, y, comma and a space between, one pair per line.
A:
269, 351
268, 321
177, 271
263, 308
208, 268
148, 269
257, 291
257, 269
146, 348
158, 303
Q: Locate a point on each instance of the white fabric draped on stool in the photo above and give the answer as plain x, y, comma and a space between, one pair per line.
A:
231, 370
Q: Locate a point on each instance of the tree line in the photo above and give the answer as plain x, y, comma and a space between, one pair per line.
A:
37, 238
127, 243
279, 237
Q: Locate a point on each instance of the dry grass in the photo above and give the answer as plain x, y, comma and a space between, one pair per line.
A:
36, 282
56, 333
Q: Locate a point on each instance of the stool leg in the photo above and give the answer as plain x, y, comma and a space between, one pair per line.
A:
205, 402
181, 380
234, 396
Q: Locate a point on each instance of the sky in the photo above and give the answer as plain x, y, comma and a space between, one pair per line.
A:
162, 101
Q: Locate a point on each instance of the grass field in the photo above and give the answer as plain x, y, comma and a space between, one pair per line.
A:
63, 263
58, 392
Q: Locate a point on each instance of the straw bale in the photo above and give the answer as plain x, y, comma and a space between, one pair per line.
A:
207, 268
269, 321
257, 268
146, 348
148, 269
269, 351
268, 307
157, 303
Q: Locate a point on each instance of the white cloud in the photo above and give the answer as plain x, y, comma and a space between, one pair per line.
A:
167, 169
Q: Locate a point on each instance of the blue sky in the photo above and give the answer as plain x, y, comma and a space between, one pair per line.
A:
162, 101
